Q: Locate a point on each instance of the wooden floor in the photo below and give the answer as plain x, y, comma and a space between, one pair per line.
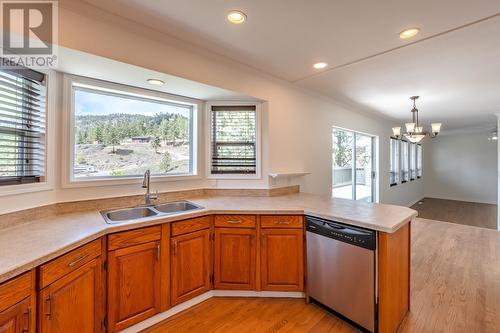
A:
461, 212
455, 288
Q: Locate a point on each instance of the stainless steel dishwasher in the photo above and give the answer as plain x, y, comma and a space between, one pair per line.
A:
341, 270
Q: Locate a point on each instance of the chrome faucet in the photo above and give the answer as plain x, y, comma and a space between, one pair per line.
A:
145, 184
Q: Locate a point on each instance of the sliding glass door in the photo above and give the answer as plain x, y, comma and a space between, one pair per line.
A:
353, 165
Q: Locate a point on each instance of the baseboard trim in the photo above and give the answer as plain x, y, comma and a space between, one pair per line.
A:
203, 297
414, 203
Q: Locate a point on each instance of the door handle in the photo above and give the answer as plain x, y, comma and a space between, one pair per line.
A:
48, 304
175, 248
29, 313
74, 262
157, 251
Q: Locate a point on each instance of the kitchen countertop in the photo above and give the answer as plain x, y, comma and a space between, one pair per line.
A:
30, 244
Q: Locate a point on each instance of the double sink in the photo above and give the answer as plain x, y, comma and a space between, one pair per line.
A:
135, 213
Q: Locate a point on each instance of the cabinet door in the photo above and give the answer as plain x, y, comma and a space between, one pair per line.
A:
17, 318
75, 302
190, 258
282, 259
133, 285
235, 258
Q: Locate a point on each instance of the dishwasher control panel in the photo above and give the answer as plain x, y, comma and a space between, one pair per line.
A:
353, 235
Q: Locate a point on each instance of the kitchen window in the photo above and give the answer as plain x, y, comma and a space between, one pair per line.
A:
413, 161
394, 171
22, 126
234, 141
405, 167
120, 132
419, 161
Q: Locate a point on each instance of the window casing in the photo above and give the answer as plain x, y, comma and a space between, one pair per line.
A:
405, 167
22, 126
419, 161
413, 161
234, 150
394, 163
150, 130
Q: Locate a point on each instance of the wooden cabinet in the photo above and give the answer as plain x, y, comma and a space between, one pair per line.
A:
235, 258
133, 277
282, 259
235, 221
17, 318
17, 304
74, 302
190, 265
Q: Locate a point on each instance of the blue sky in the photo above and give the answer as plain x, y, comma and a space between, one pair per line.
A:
88, 103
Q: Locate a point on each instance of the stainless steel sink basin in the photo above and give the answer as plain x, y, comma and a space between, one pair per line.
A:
176, 207
128, 214
136, 213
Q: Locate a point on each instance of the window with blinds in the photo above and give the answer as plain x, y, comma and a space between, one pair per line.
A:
22, 126
233, 140
394, 171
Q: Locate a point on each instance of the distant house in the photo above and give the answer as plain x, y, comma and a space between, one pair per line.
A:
141, 139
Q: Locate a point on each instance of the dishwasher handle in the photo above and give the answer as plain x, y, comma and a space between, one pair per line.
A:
346, 230
353, 235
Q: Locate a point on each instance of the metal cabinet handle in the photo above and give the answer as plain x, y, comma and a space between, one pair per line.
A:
48, 303
157, 251
282, 222
175, 248
29, 313
74, 262
234, 221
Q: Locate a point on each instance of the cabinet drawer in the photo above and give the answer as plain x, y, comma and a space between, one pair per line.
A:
61, 266
235, 221
187, 226
133, 237
15, 290
281, 221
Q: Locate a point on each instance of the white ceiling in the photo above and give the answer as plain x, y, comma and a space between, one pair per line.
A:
456, 73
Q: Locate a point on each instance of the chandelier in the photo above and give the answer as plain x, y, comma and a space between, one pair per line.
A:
414, 132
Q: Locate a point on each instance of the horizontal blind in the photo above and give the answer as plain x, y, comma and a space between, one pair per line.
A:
233, 140
22, 126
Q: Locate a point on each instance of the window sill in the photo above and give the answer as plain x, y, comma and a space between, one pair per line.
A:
234, 177
125, 181
24, 188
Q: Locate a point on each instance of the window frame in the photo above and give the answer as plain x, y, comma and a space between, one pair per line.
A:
397, 160
68, 179
419, 174
48, 183
412, 157
208, 138
401, 159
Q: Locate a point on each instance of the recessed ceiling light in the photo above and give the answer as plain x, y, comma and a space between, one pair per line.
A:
236, 16
320, 65
156, 82
409, 33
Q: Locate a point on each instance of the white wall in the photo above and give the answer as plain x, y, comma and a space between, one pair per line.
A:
461, 167
297, 124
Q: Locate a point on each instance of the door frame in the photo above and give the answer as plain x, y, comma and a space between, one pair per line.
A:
374, 163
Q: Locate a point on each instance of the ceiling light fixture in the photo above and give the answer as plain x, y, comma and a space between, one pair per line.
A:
156, 82
414, 132
236, 16
409, 33
320, 65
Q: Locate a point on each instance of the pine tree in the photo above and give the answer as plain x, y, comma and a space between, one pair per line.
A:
156, 143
